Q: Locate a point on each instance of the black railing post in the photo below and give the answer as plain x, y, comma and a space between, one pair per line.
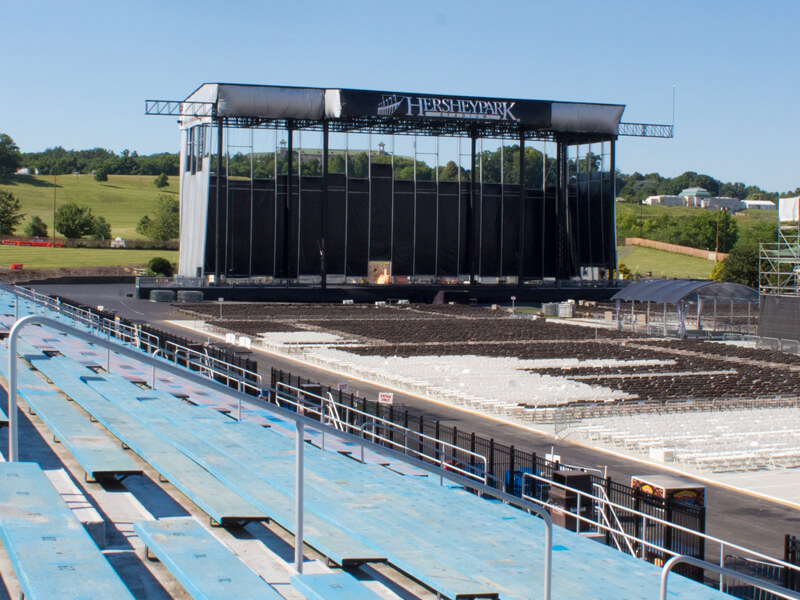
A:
786, 558
472, 450
421, 431
608, 509
511, 479
438, 446
490, 465
667, 537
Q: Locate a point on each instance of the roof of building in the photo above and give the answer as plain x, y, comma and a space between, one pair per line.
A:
673, 291
403, 112
694, 191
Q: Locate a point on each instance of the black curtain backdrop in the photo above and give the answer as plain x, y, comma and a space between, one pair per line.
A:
421, 229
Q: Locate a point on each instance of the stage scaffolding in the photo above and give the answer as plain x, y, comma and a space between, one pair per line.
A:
256, 201
779, 263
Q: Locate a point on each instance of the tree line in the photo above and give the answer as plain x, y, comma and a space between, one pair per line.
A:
495, 166
636, 187
58, 161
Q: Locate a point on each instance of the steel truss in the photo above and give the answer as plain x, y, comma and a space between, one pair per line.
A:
779, 263
382, 125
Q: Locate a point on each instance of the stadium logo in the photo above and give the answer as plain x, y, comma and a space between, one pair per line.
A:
454, 108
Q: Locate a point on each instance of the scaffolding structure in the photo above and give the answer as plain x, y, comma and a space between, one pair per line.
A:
779, 263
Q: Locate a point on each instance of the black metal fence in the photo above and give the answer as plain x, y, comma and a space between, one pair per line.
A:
791, 555
775, 574
506, 466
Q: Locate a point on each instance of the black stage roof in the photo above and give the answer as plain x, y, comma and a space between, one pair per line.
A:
363, 111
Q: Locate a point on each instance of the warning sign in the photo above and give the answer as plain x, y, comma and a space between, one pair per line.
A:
385, 398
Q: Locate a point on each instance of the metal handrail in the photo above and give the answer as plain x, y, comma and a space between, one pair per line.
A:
250, 379
597, 486
721, 571
645, 517
135, 336
442, 462
370, 418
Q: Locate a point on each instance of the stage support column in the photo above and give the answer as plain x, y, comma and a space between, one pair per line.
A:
521, 240
287, 209
471, 212
612, 250
561, 210
218, 233
323, 265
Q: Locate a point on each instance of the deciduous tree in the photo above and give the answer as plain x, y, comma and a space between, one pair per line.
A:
10, 157
161, 181
36, 227
73, 221
164, 223
10, 216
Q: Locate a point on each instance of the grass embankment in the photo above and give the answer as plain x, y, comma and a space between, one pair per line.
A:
122, 200
659, 263
744, 218
59, 258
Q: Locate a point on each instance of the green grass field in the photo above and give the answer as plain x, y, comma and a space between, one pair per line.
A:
659, 263
122, 200
54, 258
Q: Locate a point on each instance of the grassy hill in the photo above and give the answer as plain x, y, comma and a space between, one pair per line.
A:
122, 200
744, 218
659, 263
57, 258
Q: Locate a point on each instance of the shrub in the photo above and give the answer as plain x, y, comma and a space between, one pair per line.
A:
161, 181
159, 265
36, 227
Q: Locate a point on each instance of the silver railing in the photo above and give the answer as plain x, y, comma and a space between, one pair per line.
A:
440, 457
244, 380
602, 502
721, 571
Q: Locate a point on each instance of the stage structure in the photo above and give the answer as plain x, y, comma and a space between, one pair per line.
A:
255, 203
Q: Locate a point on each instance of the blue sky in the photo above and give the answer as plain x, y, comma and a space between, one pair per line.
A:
77, 74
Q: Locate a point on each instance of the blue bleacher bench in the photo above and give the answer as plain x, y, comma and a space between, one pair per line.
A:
49, 550
332, 586
201, 564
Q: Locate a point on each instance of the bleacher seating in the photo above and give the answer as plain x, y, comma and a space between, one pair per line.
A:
213, 497
99, 457
49, 550
201, 564
332, 586
451, 541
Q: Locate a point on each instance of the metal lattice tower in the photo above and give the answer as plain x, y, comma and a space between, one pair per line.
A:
779, 263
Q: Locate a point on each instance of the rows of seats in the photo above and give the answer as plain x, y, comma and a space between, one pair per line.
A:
413, 522
724, 440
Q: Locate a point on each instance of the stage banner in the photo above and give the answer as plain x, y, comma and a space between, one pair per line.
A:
361, 103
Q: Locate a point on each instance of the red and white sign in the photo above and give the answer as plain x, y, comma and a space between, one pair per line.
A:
343, 387
385, 398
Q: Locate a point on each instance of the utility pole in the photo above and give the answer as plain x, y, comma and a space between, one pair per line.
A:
55, 179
